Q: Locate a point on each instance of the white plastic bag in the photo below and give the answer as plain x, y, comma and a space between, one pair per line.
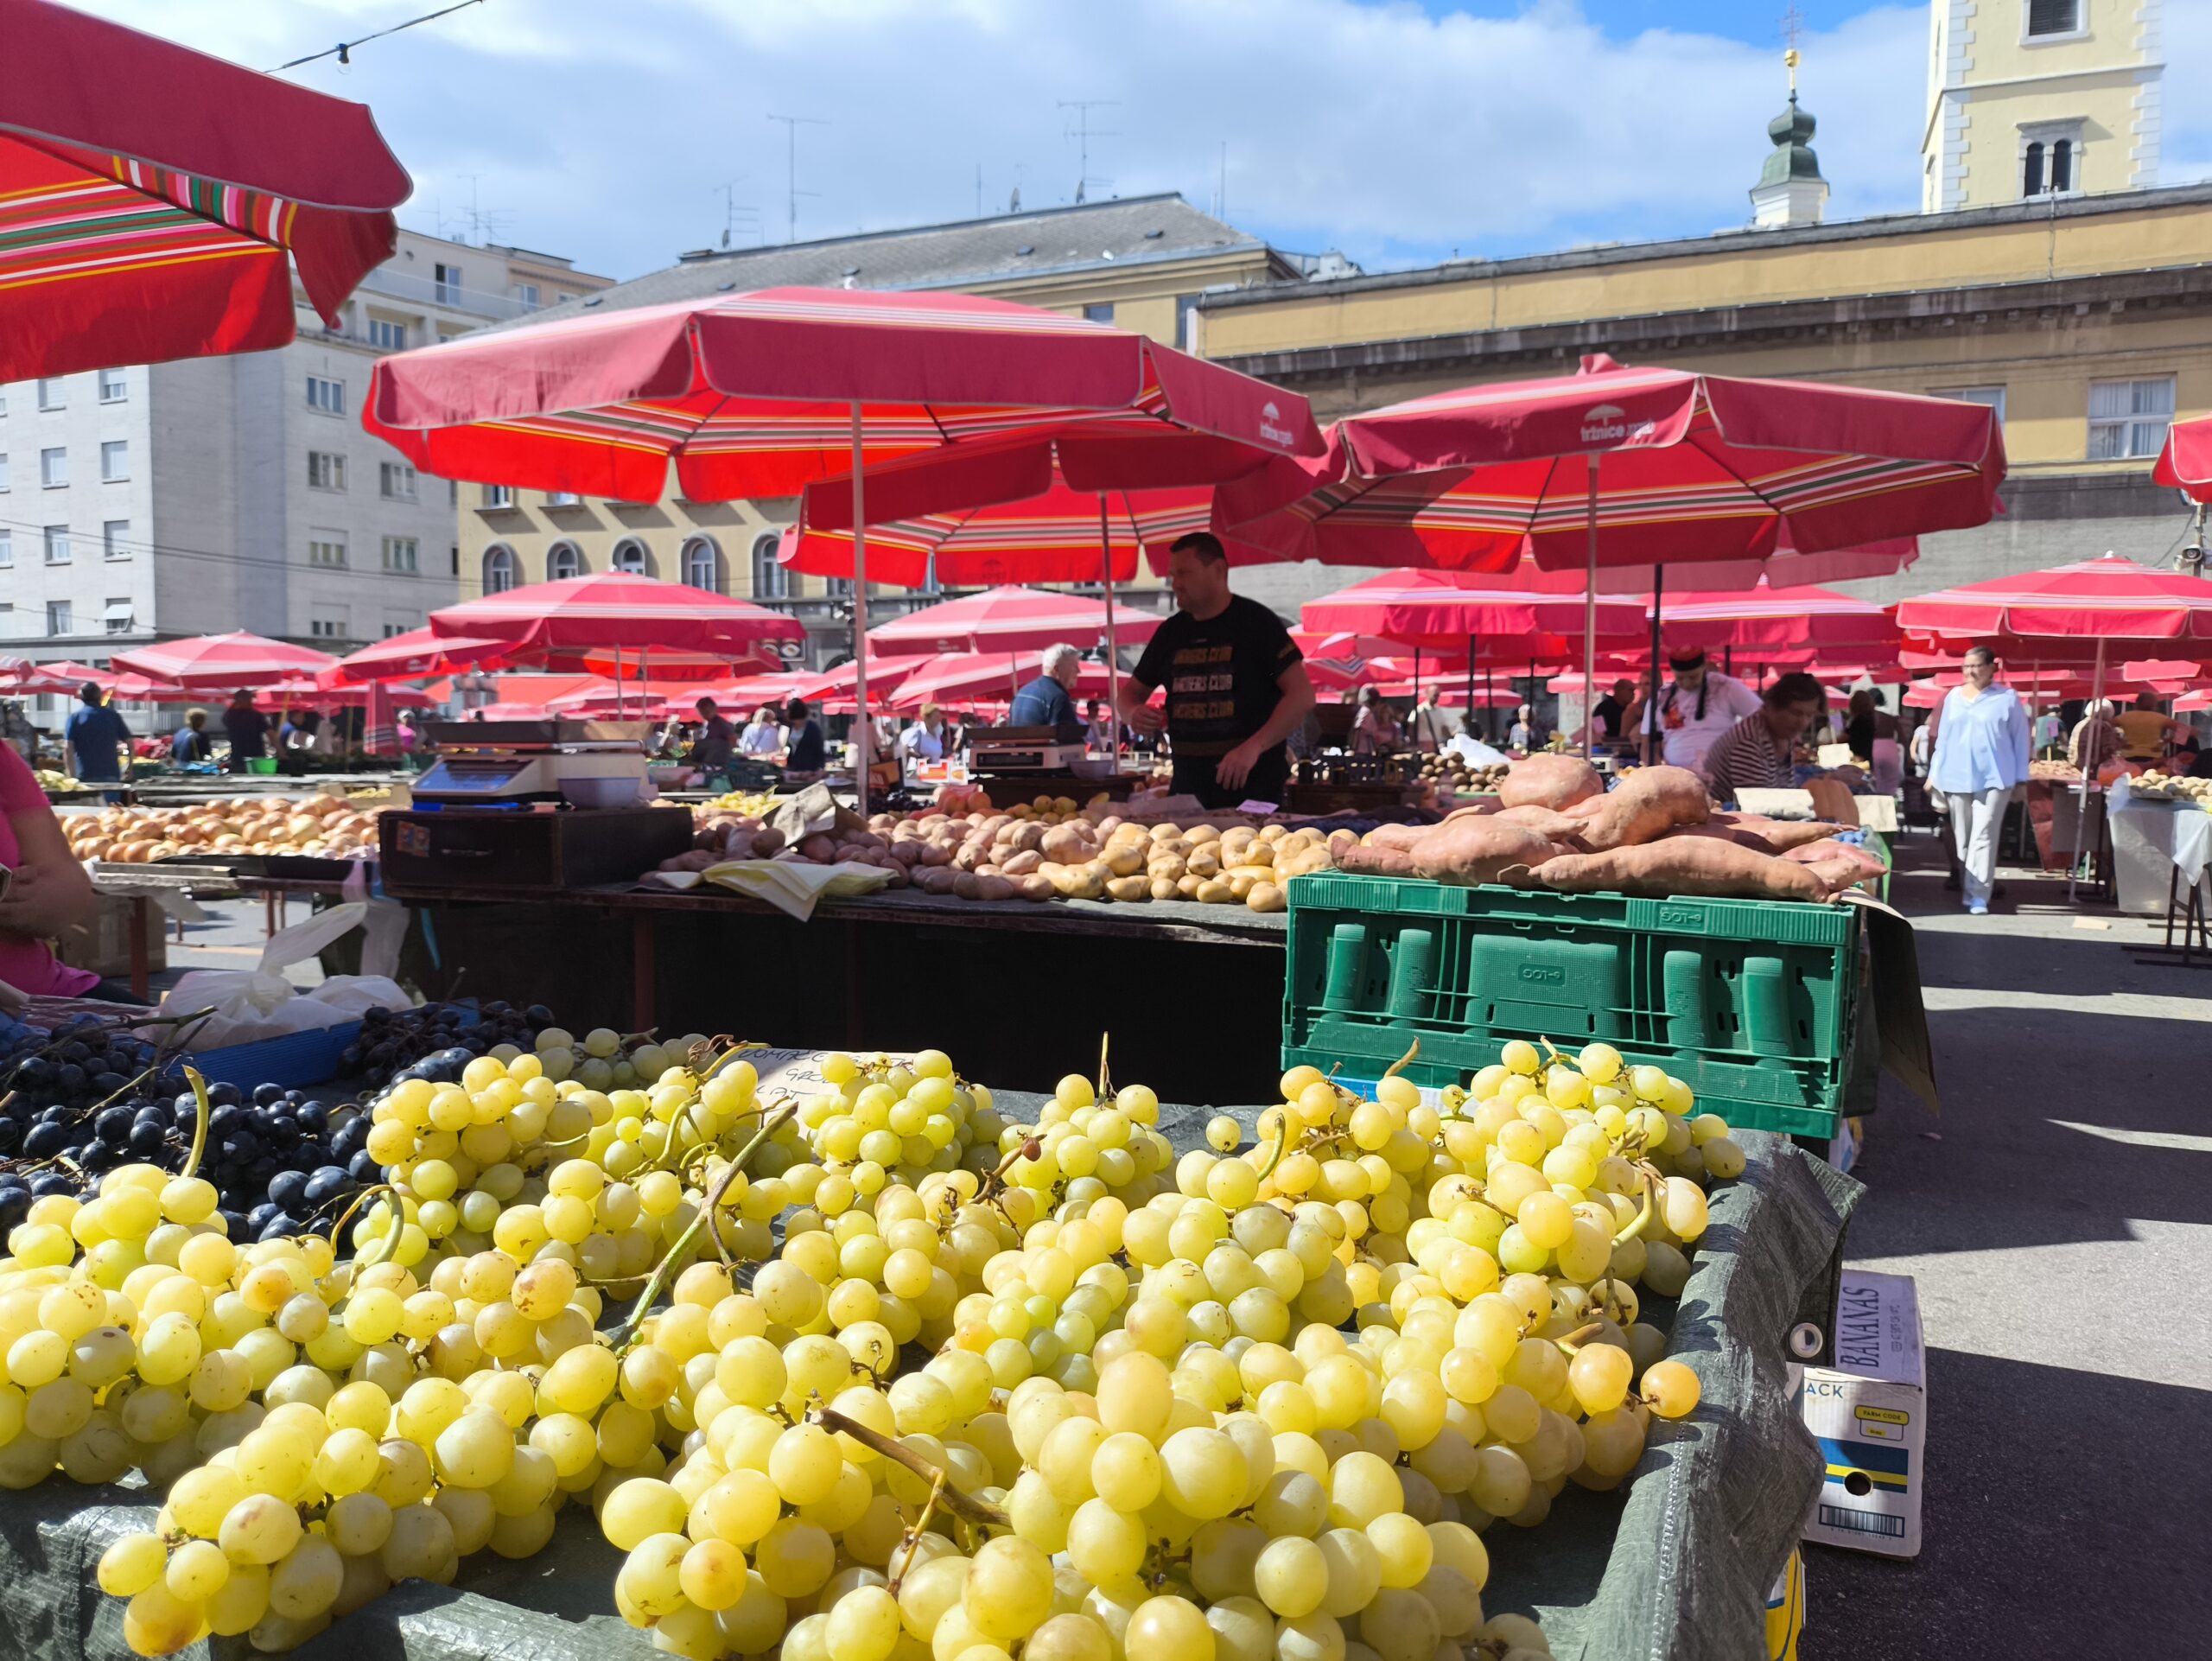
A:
250, 1006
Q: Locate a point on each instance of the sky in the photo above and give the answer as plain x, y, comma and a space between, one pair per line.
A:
1399, 133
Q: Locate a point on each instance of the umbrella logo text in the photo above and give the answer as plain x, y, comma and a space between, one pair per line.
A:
1606, 423
1270, 414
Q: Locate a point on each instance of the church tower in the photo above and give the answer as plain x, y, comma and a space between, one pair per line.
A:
1790, 190
2040, 97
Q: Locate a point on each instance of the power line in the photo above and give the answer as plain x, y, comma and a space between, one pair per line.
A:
343, 51
792, 124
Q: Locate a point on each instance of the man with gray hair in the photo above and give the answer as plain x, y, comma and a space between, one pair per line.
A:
1045, 702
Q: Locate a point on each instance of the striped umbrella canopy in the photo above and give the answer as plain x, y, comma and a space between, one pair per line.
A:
315, 692
20, 678
604, 610
960, 677
2192, 701
1007, 620
154, 202
418, 653
2096, 609
2185, 459
126, 687
1446, 609
884, 673
213, 662
1063, 535
1765, 616
1616, 466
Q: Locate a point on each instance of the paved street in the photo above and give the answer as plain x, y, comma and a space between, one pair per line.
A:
2057, 1219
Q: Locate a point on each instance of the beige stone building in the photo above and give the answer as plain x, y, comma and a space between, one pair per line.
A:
1142, 262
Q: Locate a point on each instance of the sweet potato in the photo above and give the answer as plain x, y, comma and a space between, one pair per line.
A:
1703, 866
1781, 835
1020, 864
1554, 781
1468, 852
1033, 886
1396, 835
1546, 822
1839, 865
1646, 805
1374, 859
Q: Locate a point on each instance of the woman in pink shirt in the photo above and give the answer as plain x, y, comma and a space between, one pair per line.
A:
48, 890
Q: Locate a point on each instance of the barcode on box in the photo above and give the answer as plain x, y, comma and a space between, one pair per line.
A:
1862, 1522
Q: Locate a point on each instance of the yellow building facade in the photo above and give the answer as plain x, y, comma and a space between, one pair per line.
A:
2040, 97
1140, 263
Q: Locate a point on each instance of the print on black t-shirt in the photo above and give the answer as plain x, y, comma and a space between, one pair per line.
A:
1221, 679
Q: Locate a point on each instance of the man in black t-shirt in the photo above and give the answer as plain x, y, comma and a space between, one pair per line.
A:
1236, 684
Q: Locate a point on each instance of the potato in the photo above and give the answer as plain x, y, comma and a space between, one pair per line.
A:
1266, 896
935, 879
1163, 888
1236, 839
1129, 888
1125, 859
964, 885
1241, 881
1198, 833
1020, 864
1214, 894
1033, 887
1250, 873
1170, 866
1188, 886
1274, 832
988, 887
1069, 843
1165, 833
1257, 853
1204, 861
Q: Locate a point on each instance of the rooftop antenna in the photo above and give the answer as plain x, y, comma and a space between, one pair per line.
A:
1014, 201
732, 207
792, 124
1221, 195
1084, 133
979, 190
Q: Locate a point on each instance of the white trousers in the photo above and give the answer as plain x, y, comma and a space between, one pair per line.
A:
1975, 818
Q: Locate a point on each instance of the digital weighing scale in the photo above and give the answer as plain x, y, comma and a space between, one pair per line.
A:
1020, 749
500, 764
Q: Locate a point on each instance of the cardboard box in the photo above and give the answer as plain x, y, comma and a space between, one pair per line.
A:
103, 945
1869, 1413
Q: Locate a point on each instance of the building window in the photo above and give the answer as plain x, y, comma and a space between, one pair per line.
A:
1992, 396
325, 396
2051, 159
453, 566
771, 579
498, 495
499, 569
562, 498
703, 564
326, 627
1186, 321
115, 539
326, 470
117, 615
527, 293
398, 480
2128, 418
58, 619
630, 556
114, 389
386, 335
115, 460
327, 548
837, 587
53, 393
7, 551
2047, 17
402, 554
57, 545
564, 561
398, 625
53, 469
1101, 313
3, 471
449, 284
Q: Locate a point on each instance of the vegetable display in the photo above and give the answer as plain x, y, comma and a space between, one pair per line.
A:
317, 826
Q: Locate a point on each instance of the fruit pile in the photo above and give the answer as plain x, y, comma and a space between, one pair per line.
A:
392, 1040
1245, 1403
325, 826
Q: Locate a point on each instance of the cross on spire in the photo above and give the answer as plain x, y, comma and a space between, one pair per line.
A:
1793, 30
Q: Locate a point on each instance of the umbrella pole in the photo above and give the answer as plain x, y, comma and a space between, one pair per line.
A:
1651, 685
1471, 684
1590, 622
2088, 774
1113, 656
861, 734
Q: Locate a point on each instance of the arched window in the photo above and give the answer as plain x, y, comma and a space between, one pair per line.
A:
2062, 164
630, 556
499, 569
703, 564
563, 559
2031, 176
771, 579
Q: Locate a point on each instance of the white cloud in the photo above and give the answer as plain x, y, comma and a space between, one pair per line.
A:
602, 131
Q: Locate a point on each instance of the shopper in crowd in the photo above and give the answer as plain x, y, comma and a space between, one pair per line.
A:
956, 732
716, 744
1859, 725
190, 741
1100, 730
925, 739
1981, 758
1045, 701
47, 891
1427, 729
1760, 751
1697, 705
1612, 711
1236, 684
2191, 760
2146, 730
303, 733
247, 728
404, 729
1522, 733
2096, 739
1374, 725
763, 735
807, 751
96, 741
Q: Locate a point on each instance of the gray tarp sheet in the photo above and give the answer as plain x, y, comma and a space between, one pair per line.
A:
1675, 1567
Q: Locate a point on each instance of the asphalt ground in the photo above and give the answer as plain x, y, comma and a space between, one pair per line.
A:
2056, 1215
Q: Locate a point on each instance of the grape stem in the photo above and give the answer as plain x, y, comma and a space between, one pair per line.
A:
1630, 1230
1282, 1146
960, 1503
200, 1111
769, 1126
1105, 1080
1403, 1062
914, 1534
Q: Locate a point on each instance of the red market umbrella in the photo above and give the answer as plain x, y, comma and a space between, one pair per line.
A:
923, 402
416, 654
311, 693
126, 687
20, 678
1005, 619
2191, 702
222, 662
2185, 459
1765, 616
154, 202
961, 676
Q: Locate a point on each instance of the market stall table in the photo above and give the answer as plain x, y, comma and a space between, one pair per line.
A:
2160, 851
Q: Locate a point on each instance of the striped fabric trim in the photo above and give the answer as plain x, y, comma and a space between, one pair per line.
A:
144, 218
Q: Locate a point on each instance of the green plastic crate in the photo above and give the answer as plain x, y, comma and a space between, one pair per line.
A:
1752, 1004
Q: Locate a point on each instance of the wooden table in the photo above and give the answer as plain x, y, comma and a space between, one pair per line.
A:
1022, 989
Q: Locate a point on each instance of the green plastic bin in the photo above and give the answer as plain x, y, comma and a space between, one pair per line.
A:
1753, 1003
261, 764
